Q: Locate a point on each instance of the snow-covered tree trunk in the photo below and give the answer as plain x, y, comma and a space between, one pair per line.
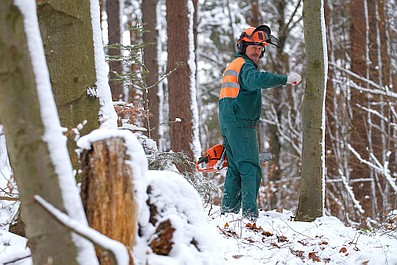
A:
35, 142
311, 198
66, 31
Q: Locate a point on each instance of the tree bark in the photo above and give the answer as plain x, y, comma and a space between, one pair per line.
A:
27, 148
149, 18
107, 192
114, 36
67, 35
311, 201
179, 83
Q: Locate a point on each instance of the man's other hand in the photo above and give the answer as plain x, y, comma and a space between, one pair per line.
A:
294, 79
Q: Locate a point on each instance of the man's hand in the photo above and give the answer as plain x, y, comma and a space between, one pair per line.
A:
294, 79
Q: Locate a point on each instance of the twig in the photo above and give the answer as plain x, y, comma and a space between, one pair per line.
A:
298, 231
3, 198
16, 260
117, 251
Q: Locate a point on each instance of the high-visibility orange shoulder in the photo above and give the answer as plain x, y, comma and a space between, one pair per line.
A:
230, 85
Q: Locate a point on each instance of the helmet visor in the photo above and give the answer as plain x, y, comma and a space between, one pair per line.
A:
258, 38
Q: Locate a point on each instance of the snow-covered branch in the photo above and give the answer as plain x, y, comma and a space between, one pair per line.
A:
115, 248
380, 90
349, 190
377, 114
273, 120
382, 169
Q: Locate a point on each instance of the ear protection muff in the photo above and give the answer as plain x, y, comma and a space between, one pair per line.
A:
256, 36
242, 46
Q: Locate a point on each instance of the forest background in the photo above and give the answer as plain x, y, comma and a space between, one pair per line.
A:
179, 112
360, 102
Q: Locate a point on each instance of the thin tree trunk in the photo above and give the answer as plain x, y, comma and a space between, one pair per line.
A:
114, 36
311, 198
152, 99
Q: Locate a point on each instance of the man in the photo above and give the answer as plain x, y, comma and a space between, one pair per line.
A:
240, 105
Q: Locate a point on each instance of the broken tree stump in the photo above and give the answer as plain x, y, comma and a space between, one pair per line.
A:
107, 193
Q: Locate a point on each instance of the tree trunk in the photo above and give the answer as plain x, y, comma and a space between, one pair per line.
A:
114, 36
152, 99
107, 192
27, 143
311, 192
180, 87
66, 31
255, 19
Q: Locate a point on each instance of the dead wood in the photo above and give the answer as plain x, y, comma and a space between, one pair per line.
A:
108, 194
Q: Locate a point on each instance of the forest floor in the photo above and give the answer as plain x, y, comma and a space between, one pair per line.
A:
276, 239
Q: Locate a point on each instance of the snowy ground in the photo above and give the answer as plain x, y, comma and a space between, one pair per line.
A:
277, 240
274, 240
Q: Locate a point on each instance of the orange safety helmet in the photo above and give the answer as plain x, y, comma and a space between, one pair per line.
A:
260, 35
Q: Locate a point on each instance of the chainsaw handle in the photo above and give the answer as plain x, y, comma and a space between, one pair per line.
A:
203, 159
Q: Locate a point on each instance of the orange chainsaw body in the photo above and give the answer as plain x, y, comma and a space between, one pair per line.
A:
214, 159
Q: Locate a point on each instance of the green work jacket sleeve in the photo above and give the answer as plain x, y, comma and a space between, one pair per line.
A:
245, 109
251, 78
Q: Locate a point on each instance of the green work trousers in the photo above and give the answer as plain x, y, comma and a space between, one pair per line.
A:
244, 174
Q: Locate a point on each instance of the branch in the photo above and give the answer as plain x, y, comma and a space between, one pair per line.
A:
287, 27
382, 169
379, 91
6, 198
349, 190
16, 260
377, 114
118, 251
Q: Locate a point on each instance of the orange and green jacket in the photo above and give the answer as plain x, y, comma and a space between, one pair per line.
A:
240, 100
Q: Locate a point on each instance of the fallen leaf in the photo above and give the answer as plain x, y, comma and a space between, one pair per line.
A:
314, 257
282, 239
302, 242
298, 253
267, 233
250, 240
343, 250
274, 245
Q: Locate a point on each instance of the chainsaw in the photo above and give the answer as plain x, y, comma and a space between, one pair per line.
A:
215, 159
